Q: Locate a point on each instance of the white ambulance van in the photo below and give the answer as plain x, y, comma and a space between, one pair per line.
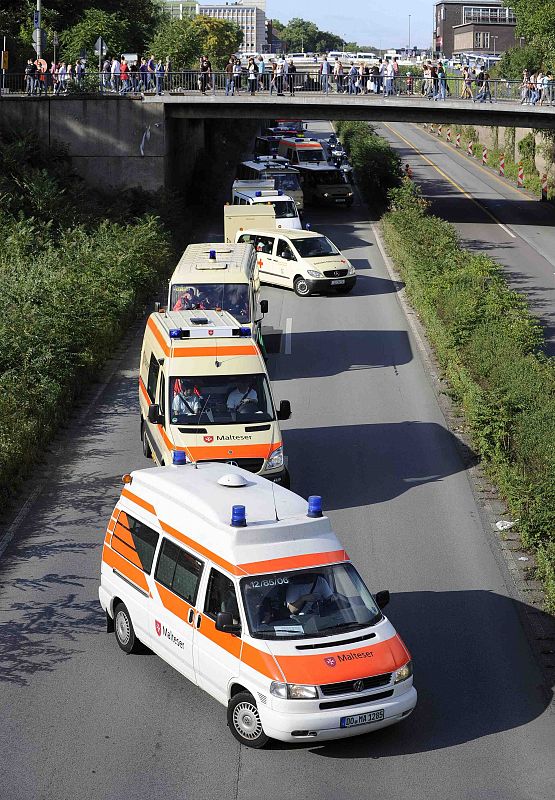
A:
204, 392
245, 589
239, 218
305, 261
253, 192
219, 276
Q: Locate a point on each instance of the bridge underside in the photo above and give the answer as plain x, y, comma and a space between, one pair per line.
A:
371, 109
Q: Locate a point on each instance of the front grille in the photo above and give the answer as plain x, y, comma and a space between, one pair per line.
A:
356, 701
250, 464
347, 687
335, 273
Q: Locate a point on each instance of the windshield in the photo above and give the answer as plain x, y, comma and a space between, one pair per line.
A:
287, 182
329, 177
220, 400
308, 603
285, 209
315, 247
232, 297
312, 154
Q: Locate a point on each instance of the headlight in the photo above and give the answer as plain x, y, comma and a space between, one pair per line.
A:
276, 459
314, 273
293, 691
349, 194
350, 270
326, 194
403, 673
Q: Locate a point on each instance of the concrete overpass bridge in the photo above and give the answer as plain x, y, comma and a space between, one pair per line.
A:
154, 141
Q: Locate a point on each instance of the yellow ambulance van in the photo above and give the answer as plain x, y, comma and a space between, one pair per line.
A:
204, 392
246, 590
219, 276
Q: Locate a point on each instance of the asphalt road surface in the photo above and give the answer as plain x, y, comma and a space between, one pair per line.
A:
80, 719
491, 215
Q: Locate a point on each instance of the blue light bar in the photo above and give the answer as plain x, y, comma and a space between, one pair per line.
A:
243, 331
258, 194
212, 255
314, 506
238, 517
179, 457
307, 226
280, 192
175, 333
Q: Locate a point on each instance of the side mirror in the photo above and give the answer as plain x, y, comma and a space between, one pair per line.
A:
224, 623
284, 411
264, 306
382, 598
154, 415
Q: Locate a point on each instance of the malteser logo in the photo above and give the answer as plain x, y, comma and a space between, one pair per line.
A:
161, 630
355, 655
330, 661
208, 439
231, 437
211, 332
158, 627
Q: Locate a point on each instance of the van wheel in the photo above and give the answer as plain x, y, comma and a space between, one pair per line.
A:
147, 452
301, 287
123, 628
244, 721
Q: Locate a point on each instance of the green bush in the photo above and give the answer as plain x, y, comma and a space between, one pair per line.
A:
490, 348
377, 166
70, 282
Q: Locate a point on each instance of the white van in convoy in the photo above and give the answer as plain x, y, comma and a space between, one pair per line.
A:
245, 589
254, 192
305, 261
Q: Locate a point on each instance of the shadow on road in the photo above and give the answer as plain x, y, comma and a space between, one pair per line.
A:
388, 458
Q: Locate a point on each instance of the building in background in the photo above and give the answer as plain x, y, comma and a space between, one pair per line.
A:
483, 29
249, 15
179, 9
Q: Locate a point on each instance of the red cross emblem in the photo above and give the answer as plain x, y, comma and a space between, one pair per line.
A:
158, 627
260, 262
330, 661
208, 439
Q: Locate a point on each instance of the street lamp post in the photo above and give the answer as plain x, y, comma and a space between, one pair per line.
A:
409, 33
494, 46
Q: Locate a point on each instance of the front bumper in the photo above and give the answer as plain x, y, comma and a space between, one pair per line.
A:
323, 726
324, 285
338, 200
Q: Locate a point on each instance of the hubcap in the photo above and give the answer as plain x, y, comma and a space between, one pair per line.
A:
302, 288
123, 629
247, 721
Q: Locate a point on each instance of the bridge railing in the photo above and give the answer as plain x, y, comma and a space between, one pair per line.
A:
305, 82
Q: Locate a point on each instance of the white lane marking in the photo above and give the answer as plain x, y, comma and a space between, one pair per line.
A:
288, 327
504, 227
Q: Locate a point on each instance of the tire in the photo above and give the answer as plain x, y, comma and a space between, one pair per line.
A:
301, 287
343, 289
123, 629
244, 722
147, 451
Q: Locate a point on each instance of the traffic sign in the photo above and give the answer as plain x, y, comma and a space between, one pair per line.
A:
4, 59
39, 32
36, 20
100, 48
55, 39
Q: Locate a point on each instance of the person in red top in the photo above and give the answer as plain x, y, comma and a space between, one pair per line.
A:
124, 76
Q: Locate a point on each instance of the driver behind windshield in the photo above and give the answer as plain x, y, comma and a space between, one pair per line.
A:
187, 400
305, 592
242, 398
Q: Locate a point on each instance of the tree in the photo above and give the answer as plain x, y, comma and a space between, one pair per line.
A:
517, 59
185, 40
94, 23
535, 20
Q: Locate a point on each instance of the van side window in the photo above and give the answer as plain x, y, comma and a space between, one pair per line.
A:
263, 244
221, 596
135, 541
153, 370
178, 571
162, 398
284, 251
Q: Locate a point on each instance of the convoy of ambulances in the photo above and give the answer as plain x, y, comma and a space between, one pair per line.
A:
305, 261
204, 392
245, 589
263, 192
241, 218
276, 169
219, 276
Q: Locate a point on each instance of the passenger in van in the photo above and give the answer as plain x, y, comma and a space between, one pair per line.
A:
242, 398
238, 301
304, 593
187, 400
185, 301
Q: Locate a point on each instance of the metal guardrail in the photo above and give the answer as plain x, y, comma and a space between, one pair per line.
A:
354, 84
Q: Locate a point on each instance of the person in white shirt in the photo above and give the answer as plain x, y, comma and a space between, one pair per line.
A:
242, 399
186, 402
305, 592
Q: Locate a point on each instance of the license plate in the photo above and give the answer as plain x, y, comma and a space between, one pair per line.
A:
362, 719
339, 199
337, 283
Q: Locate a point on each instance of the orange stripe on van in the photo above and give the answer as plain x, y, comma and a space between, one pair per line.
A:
221, 349
173, 603
158, 335
224, 452
138, 501
131, 572
295, 562
142, 389
126, 551
231, 644
262, 662
345, 665
202, 551
124, 534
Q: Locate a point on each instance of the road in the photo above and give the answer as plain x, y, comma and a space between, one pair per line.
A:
80, 719
490, 214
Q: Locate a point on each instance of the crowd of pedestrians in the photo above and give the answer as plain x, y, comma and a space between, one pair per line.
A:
537, 88
56, 79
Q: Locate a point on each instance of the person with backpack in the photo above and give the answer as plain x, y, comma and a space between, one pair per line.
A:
30, 75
